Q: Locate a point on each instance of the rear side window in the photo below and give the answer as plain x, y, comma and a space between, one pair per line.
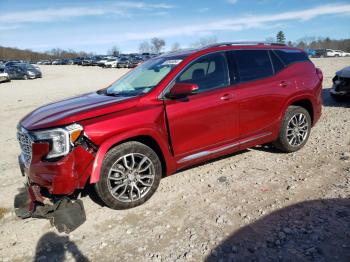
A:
291, 56
253, 64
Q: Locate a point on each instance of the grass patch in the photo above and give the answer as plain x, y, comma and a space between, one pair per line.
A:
3, 211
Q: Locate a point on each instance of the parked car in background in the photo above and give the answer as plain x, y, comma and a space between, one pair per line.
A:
111, 62
56, 62
342, 53
310, 52
134, 62
12, 62
77, 60
46, 62
122, 62
36, 67
341, 84
4, 76
16, 72
23, 71
103, 60
171, 112
87, 61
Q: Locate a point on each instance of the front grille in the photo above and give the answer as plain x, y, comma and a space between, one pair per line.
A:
25, 142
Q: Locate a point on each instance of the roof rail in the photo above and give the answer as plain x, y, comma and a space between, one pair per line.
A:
243, 43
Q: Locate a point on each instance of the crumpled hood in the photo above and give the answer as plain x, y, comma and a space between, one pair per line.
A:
345, 72
75, 109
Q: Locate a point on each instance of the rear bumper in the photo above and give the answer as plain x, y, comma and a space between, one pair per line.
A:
61, 177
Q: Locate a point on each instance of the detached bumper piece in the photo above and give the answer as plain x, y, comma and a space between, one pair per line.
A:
64, 213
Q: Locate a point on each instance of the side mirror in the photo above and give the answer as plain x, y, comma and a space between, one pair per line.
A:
182, 90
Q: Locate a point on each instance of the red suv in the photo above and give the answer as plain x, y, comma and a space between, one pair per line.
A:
171, 112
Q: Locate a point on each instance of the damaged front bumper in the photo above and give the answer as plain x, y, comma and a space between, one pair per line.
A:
49, 188
64, 213
341, 86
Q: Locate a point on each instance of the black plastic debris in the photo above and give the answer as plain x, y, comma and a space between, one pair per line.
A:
64, 213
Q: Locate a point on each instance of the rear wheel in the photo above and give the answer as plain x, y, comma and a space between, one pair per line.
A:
130, 175
295, 130
25, 77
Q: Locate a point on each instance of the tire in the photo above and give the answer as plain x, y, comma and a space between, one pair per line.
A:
339, 98
293, 137
122, 170
25, 77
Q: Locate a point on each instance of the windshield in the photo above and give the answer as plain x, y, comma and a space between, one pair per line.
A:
142, 79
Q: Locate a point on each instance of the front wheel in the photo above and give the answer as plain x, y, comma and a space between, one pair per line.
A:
130, 175
295, 129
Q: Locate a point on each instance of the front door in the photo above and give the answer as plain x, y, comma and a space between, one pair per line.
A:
209, 118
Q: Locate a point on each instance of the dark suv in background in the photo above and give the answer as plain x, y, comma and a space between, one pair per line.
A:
171, 112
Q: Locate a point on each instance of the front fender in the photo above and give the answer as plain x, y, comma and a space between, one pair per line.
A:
112, 141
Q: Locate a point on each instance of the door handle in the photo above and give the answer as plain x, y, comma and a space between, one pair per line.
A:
226, 97
284, 83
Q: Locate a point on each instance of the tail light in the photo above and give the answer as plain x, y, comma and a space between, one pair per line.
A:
319, 73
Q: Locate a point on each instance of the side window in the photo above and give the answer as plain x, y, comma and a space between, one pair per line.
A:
289, 56
276, 62
253, 64
208, 72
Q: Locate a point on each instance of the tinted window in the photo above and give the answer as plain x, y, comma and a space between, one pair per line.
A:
207, 72
253, 64
291, 56
232, 67
276, 62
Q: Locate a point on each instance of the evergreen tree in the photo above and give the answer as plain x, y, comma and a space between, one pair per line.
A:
280, 37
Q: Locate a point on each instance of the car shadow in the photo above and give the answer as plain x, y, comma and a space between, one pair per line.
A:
52, 247
317, 230
329, 101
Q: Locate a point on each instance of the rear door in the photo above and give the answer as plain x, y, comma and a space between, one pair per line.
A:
209, 118
261, 92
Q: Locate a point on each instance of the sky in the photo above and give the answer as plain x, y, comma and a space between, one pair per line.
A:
96, 26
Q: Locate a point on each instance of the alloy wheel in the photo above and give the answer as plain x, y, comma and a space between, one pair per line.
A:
297, 129
131, 177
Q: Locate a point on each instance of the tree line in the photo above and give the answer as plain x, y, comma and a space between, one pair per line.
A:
157, 45
11, 53
311, 42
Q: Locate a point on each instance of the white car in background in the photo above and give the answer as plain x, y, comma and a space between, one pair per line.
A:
112, 62
4, 76
336, 53
342, 53
103, 61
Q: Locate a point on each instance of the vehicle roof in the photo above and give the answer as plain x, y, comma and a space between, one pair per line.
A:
227, 46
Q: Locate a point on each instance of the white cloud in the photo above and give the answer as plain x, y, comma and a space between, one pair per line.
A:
239, 24
65, 13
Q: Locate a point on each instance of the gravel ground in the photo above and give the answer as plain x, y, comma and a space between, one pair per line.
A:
256, 205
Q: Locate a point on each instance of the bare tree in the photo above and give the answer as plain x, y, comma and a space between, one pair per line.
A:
157, 44
205, 41
144, 47
115, 51
175, 46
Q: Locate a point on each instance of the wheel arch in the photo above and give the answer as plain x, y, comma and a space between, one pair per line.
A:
148, 138
306, 104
